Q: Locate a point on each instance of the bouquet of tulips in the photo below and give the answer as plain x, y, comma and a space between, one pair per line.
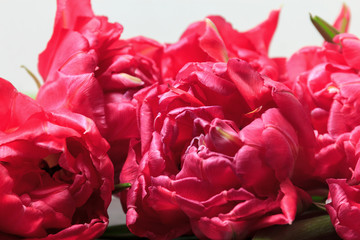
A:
207, 137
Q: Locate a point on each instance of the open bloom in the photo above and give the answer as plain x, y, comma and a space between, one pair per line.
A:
326, 80
55, 177
215, 40
217, 154
343, 208
87, 69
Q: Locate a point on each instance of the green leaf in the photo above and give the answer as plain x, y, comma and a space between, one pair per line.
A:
187, 237
118, 231
314, 228
327, 31
318, 198
32, 75
120, 187
122, 232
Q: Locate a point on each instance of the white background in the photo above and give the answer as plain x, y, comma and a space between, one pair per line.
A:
26, 26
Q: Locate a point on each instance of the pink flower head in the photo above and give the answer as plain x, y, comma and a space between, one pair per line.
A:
343, 208
87, 69
217, 154
214, 39
326, 80
56, 179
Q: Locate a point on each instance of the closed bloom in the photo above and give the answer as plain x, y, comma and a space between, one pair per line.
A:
56, 179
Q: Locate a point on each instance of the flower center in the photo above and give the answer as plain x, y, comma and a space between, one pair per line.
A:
50, 164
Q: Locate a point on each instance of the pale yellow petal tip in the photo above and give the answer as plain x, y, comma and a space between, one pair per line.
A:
132, 78
256, 110
212, 25
333, 89
228, 136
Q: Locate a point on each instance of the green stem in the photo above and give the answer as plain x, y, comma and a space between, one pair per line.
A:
314, 228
